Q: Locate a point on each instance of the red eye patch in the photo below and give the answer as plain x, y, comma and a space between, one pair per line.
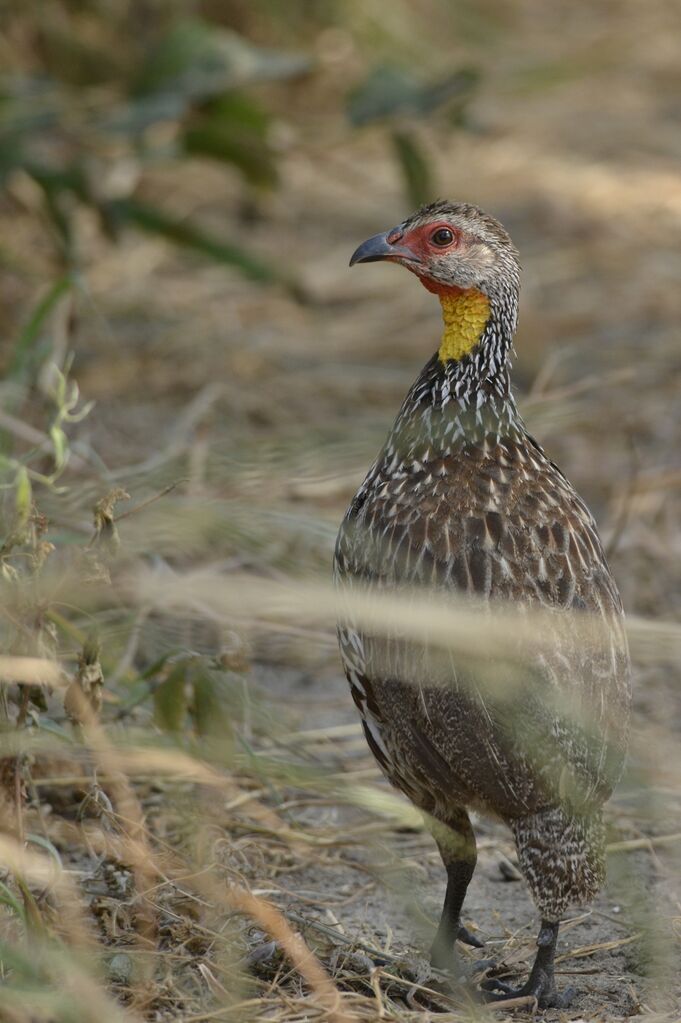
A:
430, 239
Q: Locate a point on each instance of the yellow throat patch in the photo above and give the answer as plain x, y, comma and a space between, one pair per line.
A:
465, 316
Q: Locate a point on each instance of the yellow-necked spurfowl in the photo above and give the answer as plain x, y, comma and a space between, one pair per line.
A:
461, 500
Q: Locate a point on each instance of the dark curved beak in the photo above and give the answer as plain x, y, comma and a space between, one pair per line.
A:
379, 247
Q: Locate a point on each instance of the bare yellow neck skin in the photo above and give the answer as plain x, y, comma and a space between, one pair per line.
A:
465, 316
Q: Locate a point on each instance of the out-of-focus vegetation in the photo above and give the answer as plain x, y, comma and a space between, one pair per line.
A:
104, 92
183, 784
99, 92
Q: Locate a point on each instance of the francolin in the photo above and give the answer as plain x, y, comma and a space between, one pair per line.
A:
462, 503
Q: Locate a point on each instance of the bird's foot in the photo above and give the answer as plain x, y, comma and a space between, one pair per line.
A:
540, 985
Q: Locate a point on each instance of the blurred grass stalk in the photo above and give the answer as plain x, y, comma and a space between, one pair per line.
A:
454, 623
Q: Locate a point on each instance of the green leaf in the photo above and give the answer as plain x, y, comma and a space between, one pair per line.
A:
7, 898
60, 447
27, 964
25, 348
29, 111
170, 700
143, 686
234, 129
147, 217
181, 232
22, 499
415, 169
392, 92
52, 728
211, 704
35, 925
45, 844
197, 60
386, 91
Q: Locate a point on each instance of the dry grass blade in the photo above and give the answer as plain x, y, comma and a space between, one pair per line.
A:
296, 950
634, 844
32, 671
603, 946
131, 823
459, 625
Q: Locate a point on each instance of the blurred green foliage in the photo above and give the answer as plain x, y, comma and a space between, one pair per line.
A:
98, 92
79, 115
395, 96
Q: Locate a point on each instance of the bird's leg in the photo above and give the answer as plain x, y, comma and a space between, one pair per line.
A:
456, 842
541, 982
450, 927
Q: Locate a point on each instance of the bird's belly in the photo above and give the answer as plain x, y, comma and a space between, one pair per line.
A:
437, 746
443, 734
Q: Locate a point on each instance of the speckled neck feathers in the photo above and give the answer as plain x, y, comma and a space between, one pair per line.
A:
476, 341
456, 402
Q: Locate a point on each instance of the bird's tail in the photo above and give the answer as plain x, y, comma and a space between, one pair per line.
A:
562, 857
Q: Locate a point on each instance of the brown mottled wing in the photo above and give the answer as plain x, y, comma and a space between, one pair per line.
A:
519, 533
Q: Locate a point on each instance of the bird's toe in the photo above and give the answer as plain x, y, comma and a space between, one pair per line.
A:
479, 967
467, 938
541, 987
494, 987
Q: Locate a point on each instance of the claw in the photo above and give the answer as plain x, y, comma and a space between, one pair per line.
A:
541, 984
494, 984
480, 966
542, 988
467, 938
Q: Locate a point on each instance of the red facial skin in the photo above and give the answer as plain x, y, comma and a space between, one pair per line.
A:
419, 242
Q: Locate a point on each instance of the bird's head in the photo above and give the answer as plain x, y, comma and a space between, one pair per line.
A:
451, 247
466, 258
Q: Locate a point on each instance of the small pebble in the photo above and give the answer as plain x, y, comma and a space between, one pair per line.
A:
508, 870
120, 968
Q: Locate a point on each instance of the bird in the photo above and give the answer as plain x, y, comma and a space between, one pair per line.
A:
463, 504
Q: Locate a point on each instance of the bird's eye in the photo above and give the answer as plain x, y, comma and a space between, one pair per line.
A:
443, 236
